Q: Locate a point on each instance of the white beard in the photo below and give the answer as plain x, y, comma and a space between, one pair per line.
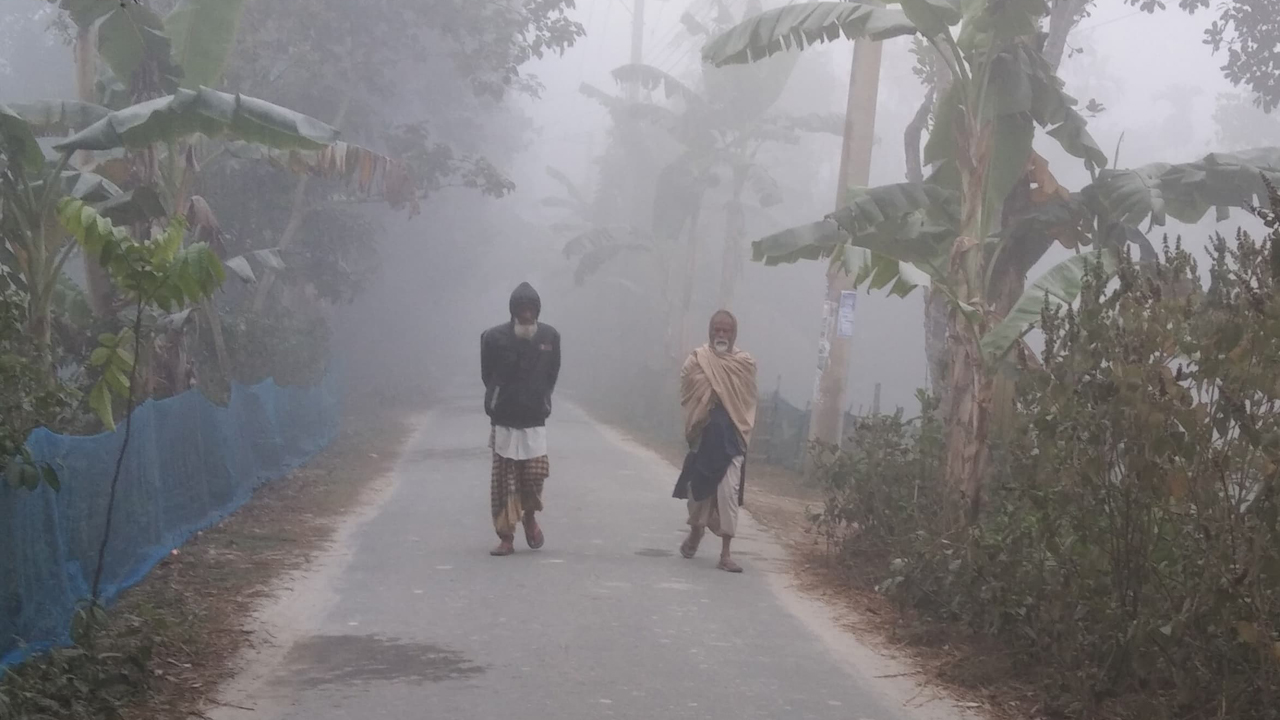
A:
721, 346
526, 332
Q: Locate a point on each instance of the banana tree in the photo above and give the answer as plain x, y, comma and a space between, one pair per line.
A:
719, 129
979, 147
949, 228
33, 246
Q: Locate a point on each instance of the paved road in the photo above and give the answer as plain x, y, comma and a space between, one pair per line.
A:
415, 620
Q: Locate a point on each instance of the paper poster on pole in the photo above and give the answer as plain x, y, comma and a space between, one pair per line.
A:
844, 324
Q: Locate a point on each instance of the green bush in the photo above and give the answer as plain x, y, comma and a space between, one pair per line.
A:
1130, 545
30, 396
291, 347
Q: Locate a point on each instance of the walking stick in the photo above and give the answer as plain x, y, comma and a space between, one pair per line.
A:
742, 486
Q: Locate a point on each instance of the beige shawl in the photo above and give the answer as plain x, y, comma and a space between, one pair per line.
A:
730, 377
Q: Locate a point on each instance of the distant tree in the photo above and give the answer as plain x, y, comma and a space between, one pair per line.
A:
1249, 32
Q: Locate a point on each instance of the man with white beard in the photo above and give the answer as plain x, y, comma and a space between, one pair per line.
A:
519, 363
718, 394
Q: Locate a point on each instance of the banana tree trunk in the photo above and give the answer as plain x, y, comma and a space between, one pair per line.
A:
967, 425
935, 344
969, 381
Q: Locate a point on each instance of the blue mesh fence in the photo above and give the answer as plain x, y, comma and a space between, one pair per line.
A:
782, 432
190, 463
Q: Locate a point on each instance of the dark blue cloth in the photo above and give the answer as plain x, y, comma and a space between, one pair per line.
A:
705, 466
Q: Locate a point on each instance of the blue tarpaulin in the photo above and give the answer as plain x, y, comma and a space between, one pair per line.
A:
189, 464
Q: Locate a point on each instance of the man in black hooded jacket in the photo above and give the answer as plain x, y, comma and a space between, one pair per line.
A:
519, 363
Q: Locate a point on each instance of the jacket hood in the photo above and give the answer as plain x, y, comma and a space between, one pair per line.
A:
526, 295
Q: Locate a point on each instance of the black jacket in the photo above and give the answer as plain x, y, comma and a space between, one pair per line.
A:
519, 375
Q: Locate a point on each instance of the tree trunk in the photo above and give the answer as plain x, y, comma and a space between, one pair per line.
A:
967, 423
691, 270
98, 284
935, 304
735, 231
297, 212
1062, 20
936, 308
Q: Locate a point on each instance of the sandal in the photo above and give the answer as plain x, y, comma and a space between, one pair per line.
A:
687, 549
535, 538
728, 565
506, 547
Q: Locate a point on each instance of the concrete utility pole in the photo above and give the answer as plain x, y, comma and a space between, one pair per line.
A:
826, 424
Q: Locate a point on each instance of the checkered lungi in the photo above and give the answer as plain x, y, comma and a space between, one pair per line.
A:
516, 488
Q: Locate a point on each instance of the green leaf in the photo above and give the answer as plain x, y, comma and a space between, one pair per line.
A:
1054, 109
1186, 191
800, 25
117, 381
89, 187
51, 477
85, 13
1010, 153
909, 222
933, 17
207, 112
269, 257
88, 219
941, 146
651, 78
59, 117
1072, 134
597, 246
1009, 85
878, 271
190, 286
13, 471
999, 22
18, 142
100, 356
568, 185
742, 94
1060, 285
132, 35
812, 241
240, 266
30, 476
203, 34
100, 403
136, 206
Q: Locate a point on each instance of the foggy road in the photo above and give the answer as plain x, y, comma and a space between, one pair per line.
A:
411, 618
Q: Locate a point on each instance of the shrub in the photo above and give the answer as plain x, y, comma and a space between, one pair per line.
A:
1131, 541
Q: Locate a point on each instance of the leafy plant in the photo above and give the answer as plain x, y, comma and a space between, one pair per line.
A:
160, 272
1127, 558
28, 398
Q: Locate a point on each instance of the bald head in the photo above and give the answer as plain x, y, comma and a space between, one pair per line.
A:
723, 331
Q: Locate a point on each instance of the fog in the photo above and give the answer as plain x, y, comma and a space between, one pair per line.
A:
443, 276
